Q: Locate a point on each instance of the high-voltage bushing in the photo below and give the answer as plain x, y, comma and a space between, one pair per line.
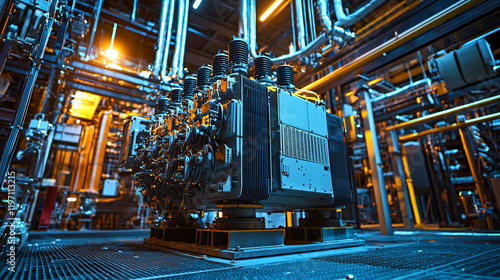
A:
262, 68
284, 77
175, 96
161, 106
189, 87
203, 76
238, 56
220, 64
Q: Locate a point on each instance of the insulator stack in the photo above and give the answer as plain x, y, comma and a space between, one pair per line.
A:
189, 87
161, 106
203, 76
221, 64
238, 56
284, 77
175, 96
262, 65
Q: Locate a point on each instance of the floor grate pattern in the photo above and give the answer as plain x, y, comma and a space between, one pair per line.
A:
110, 260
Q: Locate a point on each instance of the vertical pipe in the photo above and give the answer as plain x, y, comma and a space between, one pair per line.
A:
478, 181
161, 38
178, 38
94, 28
26, 92
243, 24
384, 215
400, 180
411, 190
292, 12
252, 26
113, 36
134, 11
167, 41
183, 42
299, 13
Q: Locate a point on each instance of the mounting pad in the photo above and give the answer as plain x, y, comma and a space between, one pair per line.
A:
238, 254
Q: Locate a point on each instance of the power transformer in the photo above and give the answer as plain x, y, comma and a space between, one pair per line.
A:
223, 140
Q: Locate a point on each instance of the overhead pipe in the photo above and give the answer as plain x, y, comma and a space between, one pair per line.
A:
324, 15
402, 38
183, 42
478, 120
348, 20
402, 89
161, 38
178, 38
299, 19
244, 24
248, 19
251, 27
339, 34
445, 113
164, 66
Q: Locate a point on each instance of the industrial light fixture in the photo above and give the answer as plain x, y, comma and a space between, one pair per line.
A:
196, 4
83, 105
112, 54
270, 10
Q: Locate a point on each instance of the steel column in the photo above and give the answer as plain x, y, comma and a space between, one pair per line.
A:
372, 148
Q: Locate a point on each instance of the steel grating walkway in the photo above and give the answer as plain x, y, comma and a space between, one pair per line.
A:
431, 258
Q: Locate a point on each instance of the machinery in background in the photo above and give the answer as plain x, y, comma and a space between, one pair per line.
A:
242, 145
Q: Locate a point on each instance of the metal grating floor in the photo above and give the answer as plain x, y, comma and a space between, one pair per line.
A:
439, 258
110, 260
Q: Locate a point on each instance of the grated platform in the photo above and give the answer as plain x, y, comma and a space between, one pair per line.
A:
395, 257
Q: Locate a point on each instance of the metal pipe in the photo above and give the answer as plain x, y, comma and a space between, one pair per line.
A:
478, 181
243, 24
449, 112
183, 42
401, 182
400, 90
252, 26
167, 41
178, 38
161, 38
27, 91
94, 28
375, 160
450, 127
299, 19
324, 15
402, 38
134, 10
113, 36
310, 48
348, 20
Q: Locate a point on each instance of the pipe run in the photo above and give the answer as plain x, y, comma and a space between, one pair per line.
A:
348, 20
445, 113
161, 38
482, 119
416, 30
402, 89
248, 26
180, 39
299, 19
164, 66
